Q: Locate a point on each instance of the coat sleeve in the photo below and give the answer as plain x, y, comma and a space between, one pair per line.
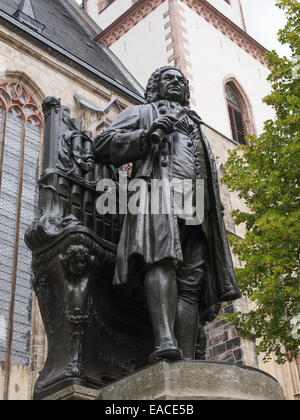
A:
124, 141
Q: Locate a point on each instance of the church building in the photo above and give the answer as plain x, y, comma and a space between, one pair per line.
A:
227, 68
97, 59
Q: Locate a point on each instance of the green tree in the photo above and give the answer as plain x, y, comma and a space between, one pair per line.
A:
266, 175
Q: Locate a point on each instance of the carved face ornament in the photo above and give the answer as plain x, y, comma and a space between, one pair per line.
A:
78, 265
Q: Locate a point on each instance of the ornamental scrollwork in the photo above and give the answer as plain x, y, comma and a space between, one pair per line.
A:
15, 98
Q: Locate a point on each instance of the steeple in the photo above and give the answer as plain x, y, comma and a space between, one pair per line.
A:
25, 14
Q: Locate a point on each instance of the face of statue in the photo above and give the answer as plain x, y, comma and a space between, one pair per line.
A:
172, 86
78, 265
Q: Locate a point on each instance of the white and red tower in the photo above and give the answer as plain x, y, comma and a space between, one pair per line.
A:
207, 39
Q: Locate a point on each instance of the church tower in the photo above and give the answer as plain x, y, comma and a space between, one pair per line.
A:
207, 39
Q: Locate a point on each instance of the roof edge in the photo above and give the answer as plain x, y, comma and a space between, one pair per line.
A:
50, 44
68, 5
91, 27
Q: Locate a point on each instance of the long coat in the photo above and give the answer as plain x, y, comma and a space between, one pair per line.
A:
150, 238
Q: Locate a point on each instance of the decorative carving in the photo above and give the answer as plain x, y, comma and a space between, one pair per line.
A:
49, 103
88, 324
66, 263
77, 263
14, 97
72, 156
49, 223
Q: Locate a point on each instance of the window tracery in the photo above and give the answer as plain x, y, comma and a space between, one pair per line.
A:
14, 97
21, 124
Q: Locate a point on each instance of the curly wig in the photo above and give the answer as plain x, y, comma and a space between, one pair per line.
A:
152, 90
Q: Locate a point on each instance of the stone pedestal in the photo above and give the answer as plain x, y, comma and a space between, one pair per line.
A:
186, 381
75, 393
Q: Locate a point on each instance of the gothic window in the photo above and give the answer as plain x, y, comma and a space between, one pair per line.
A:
21, 123
236, 114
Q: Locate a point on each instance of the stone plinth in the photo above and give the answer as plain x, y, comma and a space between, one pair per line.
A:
74, 393
184, 381
195, 381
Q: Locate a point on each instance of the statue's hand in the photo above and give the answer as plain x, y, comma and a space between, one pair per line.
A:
161, 128
165, 123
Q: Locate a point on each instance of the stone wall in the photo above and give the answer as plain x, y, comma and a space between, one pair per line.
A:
41, 74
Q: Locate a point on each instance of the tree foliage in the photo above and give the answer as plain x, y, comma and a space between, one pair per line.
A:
266, 173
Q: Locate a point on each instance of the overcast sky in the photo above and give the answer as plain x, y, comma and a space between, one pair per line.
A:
263, 20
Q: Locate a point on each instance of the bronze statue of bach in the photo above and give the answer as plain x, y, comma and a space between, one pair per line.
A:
185, 268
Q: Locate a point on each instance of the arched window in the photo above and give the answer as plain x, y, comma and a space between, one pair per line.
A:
236, 114
21, 123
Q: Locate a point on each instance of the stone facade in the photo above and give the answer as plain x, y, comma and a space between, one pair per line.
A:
40, 73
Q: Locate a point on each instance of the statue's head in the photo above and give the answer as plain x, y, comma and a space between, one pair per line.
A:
76, 259
168, 83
